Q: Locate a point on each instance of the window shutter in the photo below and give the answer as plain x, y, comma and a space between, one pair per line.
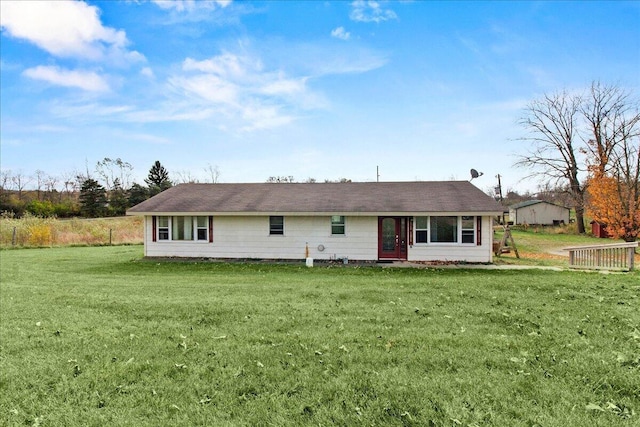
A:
410, 219
479, 230
210, 229
154, 231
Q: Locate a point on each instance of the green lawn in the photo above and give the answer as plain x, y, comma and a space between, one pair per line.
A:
97, 336
543, 246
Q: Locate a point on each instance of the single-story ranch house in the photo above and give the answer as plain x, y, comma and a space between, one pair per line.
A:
414, 221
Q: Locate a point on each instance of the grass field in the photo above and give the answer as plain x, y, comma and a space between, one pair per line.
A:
98, 336
31, 231
543, 246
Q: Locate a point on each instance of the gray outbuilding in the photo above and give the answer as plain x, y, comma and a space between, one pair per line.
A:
538, 212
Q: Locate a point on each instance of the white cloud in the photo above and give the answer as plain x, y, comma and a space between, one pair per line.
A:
284, 86
189, 5
370, 11
147, 72
151, 139
240, 89
65, 29
237, 92
85, 80
209, 87
226, 65
340, 33
261, 116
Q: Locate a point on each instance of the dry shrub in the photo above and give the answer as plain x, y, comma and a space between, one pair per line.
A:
39, 235
35, 231
571, 228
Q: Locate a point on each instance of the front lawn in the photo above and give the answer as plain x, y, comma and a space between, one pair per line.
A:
98, 336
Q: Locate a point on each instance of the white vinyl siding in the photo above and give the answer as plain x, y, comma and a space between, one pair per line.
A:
248, 237
455, 251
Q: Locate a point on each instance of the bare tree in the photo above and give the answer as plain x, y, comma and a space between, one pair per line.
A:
280, 179
6, 180
69, 181
5, 185
20, 181
612, 119
213, 173
626, 159
186, 177
50, 184
614, 188
40, 178
111, 169
555, 149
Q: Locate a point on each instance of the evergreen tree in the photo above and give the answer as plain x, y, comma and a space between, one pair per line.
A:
137, 194
93, 199
158, 179
118, 200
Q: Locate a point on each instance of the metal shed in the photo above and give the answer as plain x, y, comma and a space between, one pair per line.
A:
538, 212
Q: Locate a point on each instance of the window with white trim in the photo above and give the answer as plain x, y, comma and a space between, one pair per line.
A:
445, 229
337, 225
181, 228
202, 228
184, 228
468, 229
163, 228
422, 229
276, 225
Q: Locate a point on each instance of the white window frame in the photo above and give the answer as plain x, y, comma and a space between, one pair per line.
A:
197, 228
271, 233
342, 224
194, 229
462, 230
166, 229
459, 230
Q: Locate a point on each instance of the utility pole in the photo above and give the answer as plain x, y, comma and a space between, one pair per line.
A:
498, 190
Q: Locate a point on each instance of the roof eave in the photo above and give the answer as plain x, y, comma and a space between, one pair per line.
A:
325, 213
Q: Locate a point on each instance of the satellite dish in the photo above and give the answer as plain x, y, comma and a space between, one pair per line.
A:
475, 174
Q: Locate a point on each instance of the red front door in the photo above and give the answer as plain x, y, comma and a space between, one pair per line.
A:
392, 237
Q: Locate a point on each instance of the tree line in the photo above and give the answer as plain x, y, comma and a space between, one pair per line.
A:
106, 191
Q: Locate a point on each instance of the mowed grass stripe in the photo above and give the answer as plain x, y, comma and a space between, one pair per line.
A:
98, 336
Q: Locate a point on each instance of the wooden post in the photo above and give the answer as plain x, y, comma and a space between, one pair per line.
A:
110, 236
14, 237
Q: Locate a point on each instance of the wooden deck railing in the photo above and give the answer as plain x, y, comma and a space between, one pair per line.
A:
616, 256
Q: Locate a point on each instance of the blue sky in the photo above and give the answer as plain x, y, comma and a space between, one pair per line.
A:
423, 90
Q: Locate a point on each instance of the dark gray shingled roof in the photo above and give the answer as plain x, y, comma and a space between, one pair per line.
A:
356, 197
